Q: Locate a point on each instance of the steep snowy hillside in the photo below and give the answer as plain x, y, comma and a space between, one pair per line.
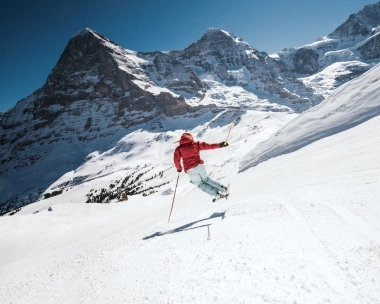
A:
351, 104
300, 228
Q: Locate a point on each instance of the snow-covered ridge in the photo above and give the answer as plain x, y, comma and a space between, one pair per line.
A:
326, 81
351, 104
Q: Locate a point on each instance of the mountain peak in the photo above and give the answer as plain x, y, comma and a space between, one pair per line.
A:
220, 34
212, 30
359, 24
88, 33
85, 31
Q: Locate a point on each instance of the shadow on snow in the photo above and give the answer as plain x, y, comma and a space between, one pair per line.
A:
186, 227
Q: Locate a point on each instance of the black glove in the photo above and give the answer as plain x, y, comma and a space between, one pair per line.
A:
223, 144
179, 170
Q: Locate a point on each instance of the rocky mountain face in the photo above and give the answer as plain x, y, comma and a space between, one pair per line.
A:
98, 92
356, 41
360, 24
236, 63
93, 68
95, 93
168, 72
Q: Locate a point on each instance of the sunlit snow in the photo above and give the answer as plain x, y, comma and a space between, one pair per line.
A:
302, 227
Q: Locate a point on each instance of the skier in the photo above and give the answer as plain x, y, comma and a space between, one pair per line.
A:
194, 166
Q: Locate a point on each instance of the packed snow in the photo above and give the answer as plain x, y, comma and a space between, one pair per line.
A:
298, 228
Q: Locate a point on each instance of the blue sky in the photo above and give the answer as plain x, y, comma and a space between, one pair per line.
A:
35, 33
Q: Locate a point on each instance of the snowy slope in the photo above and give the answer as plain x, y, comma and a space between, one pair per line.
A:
283, 238
300, 228
348, 106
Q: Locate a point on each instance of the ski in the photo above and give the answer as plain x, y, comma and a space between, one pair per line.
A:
227, 193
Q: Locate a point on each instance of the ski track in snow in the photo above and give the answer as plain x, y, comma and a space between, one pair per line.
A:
317, 252
356, 222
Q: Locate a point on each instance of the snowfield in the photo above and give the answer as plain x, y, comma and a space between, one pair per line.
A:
302, 227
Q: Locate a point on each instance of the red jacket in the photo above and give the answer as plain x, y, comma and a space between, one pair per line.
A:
188, 150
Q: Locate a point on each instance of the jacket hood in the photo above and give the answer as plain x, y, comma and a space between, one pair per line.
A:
186, 138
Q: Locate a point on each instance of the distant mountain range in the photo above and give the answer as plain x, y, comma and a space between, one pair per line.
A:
349, 51
99, 91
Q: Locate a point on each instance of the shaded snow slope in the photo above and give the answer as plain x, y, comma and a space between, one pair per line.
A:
350, 105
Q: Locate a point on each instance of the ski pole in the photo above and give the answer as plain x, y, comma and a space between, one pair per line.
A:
231, 125
175, 190
229, 131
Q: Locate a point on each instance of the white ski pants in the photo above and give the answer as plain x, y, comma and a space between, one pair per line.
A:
198, 176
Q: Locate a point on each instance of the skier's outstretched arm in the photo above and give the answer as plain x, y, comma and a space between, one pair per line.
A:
207, 146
